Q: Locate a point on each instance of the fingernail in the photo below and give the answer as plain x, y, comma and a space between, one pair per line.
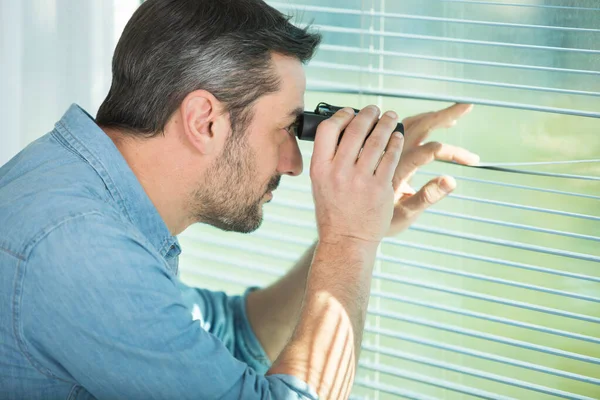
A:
447, 184
469, 109
475, 158
391, 114
348, 110
374, 108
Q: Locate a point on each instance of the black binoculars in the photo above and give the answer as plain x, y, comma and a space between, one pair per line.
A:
306, 126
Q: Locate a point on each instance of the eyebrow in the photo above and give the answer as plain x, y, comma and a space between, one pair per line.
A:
296, 112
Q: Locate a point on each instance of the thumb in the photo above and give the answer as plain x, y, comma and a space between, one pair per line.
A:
433, 191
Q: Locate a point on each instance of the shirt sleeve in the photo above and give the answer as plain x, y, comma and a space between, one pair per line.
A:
226, 318
99, 309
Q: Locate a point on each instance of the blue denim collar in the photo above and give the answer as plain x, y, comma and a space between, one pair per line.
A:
85, 137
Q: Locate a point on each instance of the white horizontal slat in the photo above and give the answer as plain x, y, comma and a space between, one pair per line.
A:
525, 5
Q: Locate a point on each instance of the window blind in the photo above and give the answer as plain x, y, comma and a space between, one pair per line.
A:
495, 292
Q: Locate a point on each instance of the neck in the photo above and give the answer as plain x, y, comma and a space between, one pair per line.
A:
158, 165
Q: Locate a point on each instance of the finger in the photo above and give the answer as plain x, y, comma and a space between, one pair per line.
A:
421, 125
389, 161
355, 134
328, 133
377, 142
422, 155
447, 117
409, 122
433, 191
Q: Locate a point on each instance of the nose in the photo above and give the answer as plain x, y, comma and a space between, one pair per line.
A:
290, 159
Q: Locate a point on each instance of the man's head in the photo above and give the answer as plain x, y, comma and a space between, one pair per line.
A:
225, 78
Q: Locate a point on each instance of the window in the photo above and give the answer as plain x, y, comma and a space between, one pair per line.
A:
495, 292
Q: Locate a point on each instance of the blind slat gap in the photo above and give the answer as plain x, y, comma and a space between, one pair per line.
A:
514, 185
390, 53
530, 172
427, 323
492, 260
483, 297
472, 372
241, 264
310, 207
299, 241
477, 219
480, 277
524, 207
326, 86
395, 391
439, 78
372, 32
492, 299
505, 243
513, 225
479, 354
247, 282
398, 373
439, 250
485, 336
472, 237
304, 189
372, 13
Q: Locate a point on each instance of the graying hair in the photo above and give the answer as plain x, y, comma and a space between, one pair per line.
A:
170, 48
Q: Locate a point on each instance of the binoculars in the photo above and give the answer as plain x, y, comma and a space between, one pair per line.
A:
306, 126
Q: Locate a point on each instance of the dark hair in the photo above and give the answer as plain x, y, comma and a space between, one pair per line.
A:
170, 48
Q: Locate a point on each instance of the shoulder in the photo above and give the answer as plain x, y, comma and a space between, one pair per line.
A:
89, 259
44, 187
93, 238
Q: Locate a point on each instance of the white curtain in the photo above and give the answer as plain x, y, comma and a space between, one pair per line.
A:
53, 53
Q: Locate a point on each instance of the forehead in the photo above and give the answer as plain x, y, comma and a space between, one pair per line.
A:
292, 85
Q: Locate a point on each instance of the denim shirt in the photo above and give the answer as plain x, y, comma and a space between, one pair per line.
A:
90, 302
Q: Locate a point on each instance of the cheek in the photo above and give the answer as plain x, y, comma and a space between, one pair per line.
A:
267, 151
271, 151
268, 160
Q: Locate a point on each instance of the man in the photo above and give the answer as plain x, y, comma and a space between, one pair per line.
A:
196, 128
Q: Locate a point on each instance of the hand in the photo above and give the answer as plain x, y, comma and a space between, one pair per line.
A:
408, 203
354, 196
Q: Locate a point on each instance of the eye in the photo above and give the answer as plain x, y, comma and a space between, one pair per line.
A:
292, 129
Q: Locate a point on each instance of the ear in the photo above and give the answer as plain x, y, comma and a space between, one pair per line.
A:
205, 125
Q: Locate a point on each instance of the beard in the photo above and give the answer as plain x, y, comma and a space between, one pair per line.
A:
229, 198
